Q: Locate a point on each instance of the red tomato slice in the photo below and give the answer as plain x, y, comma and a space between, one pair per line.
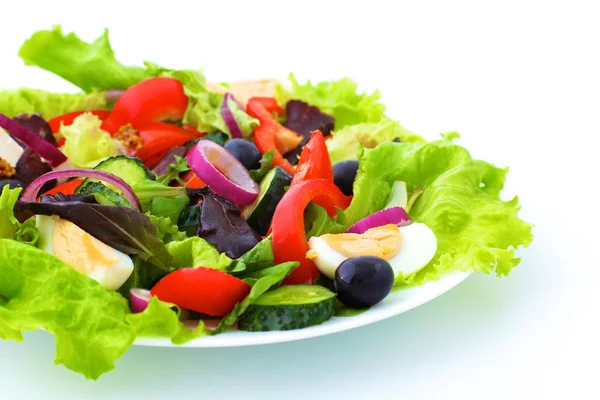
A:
158, 138
153, 100
66, 188
204, 290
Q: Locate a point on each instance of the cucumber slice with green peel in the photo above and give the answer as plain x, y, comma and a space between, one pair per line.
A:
130, 169
103, 194
272, 188
289, 307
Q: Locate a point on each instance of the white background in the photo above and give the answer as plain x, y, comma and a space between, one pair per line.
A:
519, 80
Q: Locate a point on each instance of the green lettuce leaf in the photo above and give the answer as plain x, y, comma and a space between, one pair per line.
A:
167, 230
337, 98
196, 252
89, 323
204, 109
86, 143
90, 66
169, 207
160, 320
347, 143
459, 200
258, 258
148, 190
317, 222
9, 225
260, 287
49, 105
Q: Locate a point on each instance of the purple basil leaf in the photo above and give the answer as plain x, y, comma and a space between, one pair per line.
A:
303, 118
222, 225
36, 123
121, 228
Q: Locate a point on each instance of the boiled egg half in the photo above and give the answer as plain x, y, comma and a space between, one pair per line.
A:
408, 249
86, 254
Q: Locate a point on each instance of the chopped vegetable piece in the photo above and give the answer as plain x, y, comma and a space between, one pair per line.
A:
204, 290
289, 238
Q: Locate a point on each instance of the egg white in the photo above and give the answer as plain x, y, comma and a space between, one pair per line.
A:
111, 276
419, 245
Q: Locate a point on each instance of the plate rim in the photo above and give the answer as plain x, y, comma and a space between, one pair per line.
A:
378, 313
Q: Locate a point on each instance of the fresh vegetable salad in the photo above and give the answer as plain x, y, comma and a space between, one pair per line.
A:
157, 203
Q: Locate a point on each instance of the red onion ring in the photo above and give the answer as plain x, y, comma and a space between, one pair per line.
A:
392, 215
139, 299
31, 192
41, 147
229, 118
222, 172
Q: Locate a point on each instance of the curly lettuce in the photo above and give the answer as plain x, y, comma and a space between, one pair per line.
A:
48, 104
348, 142
93, 327
340, 99
87, 144
89, 66
458, 198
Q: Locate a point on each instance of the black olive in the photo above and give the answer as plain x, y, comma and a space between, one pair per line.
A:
246, 152
344, 174
363, 281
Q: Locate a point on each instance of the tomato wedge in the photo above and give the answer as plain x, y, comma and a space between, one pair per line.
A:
153, 100
204, 290
66, 188
314, 161
158, 138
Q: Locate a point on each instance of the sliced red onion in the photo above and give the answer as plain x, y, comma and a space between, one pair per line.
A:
392, 215
139, 299
229, 118
41, 147
222, 172
31, 192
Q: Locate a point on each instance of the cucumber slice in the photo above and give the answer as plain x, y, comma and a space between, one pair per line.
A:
103, 194
289, 307
130, 169
272, 188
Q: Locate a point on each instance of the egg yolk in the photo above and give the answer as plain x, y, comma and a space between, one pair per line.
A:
383, 242
79, 249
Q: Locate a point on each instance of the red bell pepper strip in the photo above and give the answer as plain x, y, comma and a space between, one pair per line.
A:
289, 237
314, 161
153, 100
204, 290
192, 180
270, 134
65, 188
158, 138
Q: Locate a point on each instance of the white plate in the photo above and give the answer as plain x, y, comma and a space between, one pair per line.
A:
396, 303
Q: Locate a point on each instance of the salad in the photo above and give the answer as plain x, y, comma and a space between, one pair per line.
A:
155, 203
